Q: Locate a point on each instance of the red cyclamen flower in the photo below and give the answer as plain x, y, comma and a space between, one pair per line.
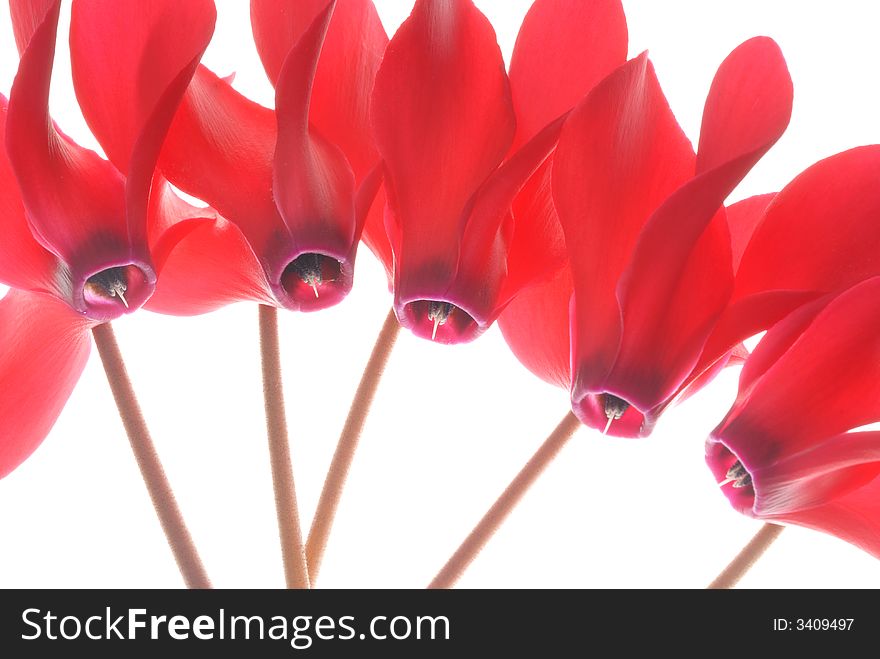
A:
647, 236
446, 117
82, 240
786, 451
294, 185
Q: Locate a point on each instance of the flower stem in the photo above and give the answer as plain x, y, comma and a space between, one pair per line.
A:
749, 555
170, 517
296, 572
494, 518
347, 445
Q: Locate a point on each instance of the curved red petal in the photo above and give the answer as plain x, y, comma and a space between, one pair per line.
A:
210, 266
818, 233
815, 237
824, 384
125, 56
748, 107
349, 61
441, 111
313, 183
743, 218
373, 232
481, 283
131, 63
27, 16
621, 153
563, 49
75, 200
665, 328
823, 472
45, 346
674, 290
536, 327
23, 262
854, 517
220, 148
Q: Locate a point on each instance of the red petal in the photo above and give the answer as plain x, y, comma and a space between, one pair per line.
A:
313, 183
748, 107
825, 471
620, 155
818, 233
537, 248
743, 218
816, 237
374, 235
824, 384
673, 291
550, 71
480, 280
45, 346
74, 198
854, 517
347, 68
131, 64
441, 111
204, 261
536, 327
125, 56
220, 148
23, 262
563, 49
27, 15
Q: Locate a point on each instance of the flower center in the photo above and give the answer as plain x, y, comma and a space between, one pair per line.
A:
615, 408
311, 269
438, 313
109, 283
738, 475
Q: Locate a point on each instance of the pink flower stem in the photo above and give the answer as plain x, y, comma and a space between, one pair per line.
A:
749, 555
296, 572
494, 518
347, 445
170, 517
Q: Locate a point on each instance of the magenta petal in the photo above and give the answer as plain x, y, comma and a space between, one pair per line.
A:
43, 350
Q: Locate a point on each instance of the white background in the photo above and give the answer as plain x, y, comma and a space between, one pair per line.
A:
451, 425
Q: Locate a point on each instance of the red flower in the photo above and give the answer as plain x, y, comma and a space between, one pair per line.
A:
787, 447
647, 238
295, 184
818, 236
445, 116
83, 239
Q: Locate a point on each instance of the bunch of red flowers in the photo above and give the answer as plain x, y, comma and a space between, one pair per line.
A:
560, 187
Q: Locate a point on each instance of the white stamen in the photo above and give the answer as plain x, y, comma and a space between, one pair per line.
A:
436, 325
117, 289
611, 419
315, 287
726, 481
